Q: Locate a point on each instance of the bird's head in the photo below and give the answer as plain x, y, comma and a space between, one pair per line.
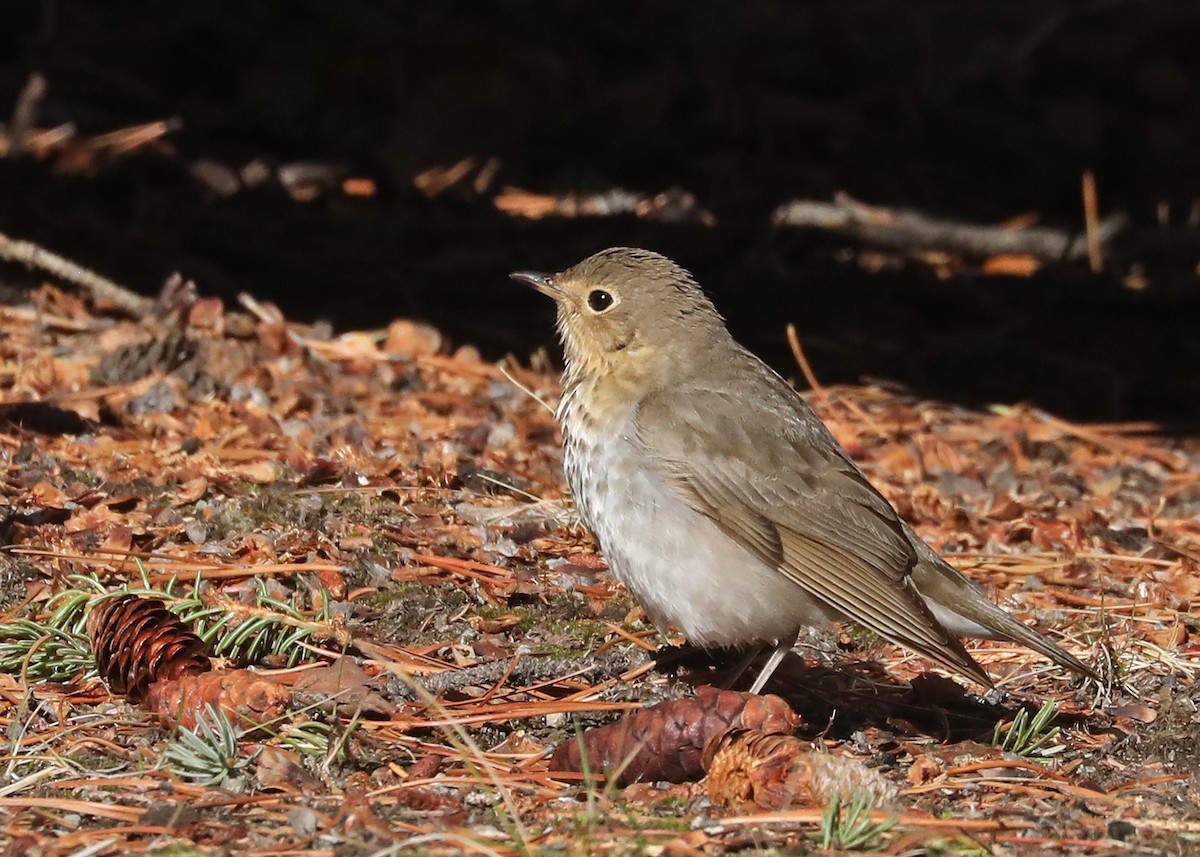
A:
630, 311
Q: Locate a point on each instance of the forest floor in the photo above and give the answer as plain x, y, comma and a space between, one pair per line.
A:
379, 523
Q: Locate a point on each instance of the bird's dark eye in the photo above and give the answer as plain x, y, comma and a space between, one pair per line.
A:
599, 300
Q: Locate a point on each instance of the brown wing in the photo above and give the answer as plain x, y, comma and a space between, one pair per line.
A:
773, 478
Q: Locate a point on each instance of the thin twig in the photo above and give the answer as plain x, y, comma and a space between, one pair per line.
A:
907, 230
25, 112
1091, 221
38, 258
528, 392
798, 352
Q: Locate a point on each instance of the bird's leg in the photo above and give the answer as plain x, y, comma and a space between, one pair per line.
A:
782, 647
744, 664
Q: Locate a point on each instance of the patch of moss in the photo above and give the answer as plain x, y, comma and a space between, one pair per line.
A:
86, 475
15, 572
175, 849
679, 820
91, 760
673, 804
617, 607
349, 504
229, 518
860, 637
388, 595
588, 632
269, 504
527, 614
405, 619
566, 653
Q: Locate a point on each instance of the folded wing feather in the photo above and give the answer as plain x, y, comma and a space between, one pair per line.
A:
776, 481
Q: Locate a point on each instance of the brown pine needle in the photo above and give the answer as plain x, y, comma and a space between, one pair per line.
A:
1091, 219
802, 360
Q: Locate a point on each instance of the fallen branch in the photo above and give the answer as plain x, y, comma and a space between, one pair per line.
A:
904, 229
103, 290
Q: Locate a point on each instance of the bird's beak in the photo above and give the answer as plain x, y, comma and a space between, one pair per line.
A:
544, 283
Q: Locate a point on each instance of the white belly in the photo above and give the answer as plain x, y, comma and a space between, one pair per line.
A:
681, 568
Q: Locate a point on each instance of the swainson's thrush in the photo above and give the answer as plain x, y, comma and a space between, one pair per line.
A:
717, 495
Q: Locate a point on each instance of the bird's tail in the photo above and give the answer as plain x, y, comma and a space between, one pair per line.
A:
964, 610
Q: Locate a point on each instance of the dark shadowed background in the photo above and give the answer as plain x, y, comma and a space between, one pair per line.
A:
964, 110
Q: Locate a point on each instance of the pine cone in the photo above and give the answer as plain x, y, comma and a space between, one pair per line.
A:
139, 642
249, 699
751, 770
665, 741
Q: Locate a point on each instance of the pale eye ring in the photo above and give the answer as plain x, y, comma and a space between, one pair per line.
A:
599, 300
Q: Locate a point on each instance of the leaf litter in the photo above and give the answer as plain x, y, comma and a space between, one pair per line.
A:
379, 524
